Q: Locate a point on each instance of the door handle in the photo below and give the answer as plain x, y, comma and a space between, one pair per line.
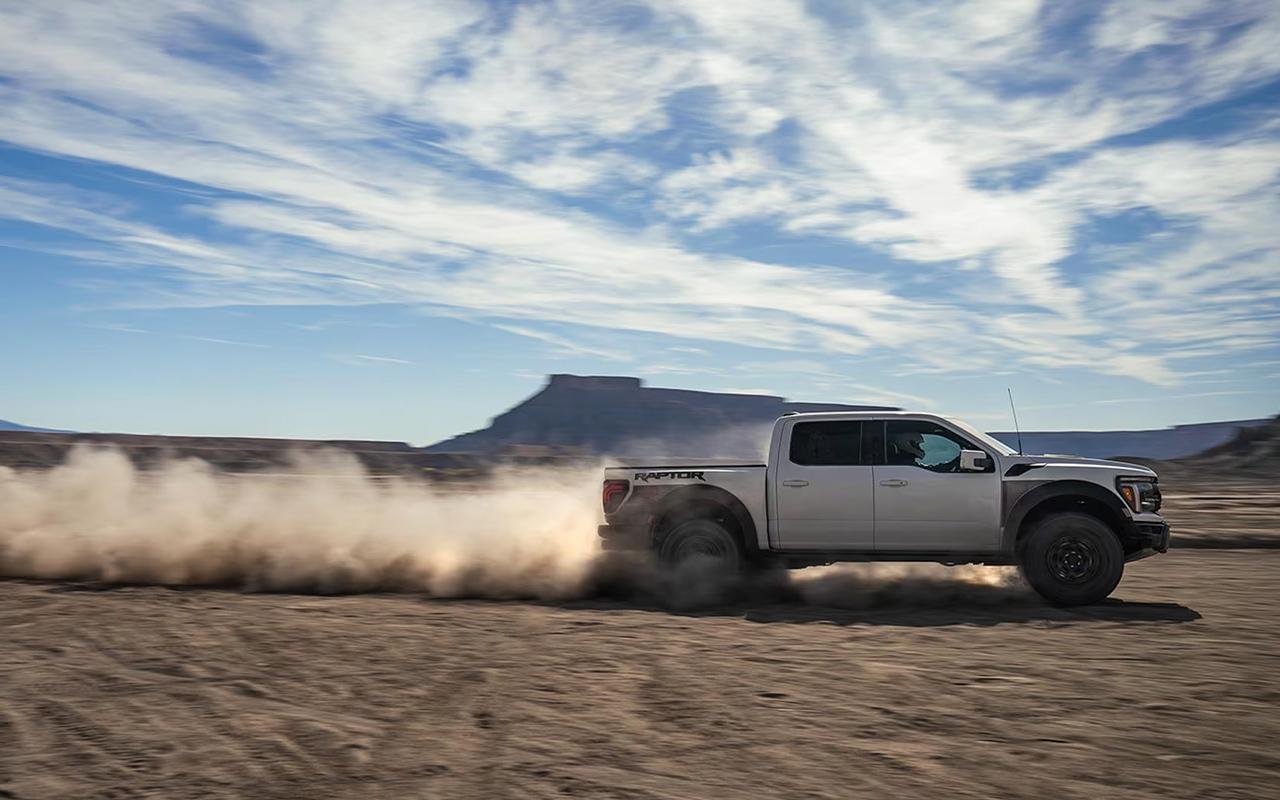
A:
795, 484
895, 482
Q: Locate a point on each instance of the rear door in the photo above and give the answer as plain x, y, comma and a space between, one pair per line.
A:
923, 501
823, 492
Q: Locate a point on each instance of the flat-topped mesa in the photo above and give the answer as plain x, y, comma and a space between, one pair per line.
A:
614, 382
612, 414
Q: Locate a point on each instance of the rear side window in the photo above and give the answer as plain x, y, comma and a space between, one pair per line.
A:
826, 444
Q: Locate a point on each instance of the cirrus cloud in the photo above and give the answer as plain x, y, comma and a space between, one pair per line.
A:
608, 166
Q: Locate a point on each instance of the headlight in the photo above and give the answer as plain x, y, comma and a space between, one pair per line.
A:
1142, 494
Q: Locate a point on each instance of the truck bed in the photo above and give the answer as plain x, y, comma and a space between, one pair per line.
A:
686, 465
650, 482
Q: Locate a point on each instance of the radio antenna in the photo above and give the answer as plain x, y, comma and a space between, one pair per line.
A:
1016, 428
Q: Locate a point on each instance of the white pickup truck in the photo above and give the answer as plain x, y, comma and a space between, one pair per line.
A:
895, 486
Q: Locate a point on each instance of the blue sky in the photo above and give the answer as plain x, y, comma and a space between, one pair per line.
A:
390, 220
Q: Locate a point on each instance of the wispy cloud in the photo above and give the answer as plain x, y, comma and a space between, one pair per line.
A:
1112, 401
360, 359
120, 328
552, 164
1109, 401
117, 328
562, 345
217, 340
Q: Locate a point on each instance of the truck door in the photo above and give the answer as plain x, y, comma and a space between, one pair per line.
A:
823, 491
923, 501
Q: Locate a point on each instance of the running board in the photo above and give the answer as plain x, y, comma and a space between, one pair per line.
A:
819, 557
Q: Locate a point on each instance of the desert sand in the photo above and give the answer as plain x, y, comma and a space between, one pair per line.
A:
972, 691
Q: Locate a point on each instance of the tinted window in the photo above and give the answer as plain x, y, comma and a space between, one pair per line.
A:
923, 444
826, 443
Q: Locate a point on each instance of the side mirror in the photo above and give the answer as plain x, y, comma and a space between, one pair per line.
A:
974, 461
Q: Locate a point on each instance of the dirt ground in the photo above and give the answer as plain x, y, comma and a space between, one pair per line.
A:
1168, 691
1231, 515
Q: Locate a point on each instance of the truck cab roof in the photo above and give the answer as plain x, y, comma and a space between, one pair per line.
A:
860, 414
854, 415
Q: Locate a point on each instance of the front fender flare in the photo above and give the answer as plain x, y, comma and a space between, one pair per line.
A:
1050, 491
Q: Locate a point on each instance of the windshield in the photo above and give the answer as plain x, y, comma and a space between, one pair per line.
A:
988, 440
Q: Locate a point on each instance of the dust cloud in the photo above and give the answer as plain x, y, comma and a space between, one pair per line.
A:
327, 527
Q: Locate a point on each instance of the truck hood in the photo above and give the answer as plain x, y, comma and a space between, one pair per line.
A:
1080, 462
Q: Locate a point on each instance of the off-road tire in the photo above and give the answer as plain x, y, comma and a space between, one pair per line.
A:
702, 538
1072, 559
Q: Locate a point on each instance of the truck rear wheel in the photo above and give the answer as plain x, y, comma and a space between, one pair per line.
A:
705, 540
1072, 559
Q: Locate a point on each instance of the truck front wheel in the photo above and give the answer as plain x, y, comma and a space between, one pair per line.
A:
1072, 559
705, 540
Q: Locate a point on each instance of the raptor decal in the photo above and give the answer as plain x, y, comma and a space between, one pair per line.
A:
645, 477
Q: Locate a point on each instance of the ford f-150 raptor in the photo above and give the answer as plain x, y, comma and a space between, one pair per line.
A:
895, 486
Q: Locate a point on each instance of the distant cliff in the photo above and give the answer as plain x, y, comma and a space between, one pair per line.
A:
1254, 451
622, 416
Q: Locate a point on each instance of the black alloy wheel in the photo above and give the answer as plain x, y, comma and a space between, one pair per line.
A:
704, 540
1072, 558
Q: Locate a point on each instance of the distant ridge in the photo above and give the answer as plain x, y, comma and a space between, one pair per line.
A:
621, 416
1161, 444
6, 425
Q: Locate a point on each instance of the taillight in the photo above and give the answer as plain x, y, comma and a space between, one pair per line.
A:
613, 494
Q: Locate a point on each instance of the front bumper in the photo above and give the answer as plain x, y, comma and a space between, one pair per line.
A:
1148, 538
624, 537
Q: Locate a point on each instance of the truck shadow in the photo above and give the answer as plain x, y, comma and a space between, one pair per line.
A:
919, 616
919, 595
1108, 611
904, 603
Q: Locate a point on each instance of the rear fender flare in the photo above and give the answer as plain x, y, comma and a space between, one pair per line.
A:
691, 495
